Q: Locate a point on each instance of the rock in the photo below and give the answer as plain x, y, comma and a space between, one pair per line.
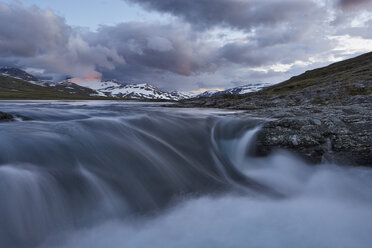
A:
6, 117
304, 136
332, 139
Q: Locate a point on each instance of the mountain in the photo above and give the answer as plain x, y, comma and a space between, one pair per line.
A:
208, 93
114, 89
180, 95
18, 84
333, 84
132, 91
348, 76
245, 89
18, 73
16, 88
69, 87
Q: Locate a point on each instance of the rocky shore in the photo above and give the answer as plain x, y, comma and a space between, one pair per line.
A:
340, 133
321, 115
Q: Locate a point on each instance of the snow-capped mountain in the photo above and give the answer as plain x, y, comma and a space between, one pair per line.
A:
108, 88
208, 93
116, 89
17, 73
235, 91
99, 85
132, 91
69, 87
181, 95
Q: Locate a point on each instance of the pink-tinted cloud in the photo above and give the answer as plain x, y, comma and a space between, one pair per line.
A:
353, 4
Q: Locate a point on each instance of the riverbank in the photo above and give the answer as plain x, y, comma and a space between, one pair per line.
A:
339, 133
323, 114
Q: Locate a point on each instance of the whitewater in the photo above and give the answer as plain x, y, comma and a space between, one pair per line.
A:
98, 174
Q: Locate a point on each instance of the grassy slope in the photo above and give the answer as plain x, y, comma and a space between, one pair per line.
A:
17, 89
338, 79
348, 71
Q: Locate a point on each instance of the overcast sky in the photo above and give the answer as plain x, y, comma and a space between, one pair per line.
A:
179, 44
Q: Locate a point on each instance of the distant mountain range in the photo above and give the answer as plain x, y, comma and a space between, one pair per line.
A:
18, 84
112, 88
241, 90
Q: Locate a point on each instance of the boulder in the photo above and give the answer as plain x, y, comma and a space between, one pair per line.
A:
6, 117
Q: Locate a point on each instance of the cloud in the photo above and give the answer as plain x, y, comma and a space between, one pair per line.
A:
154, 47
203, 43
78, 58
239, 14
26, 32
352, 4
159, 44
38, 38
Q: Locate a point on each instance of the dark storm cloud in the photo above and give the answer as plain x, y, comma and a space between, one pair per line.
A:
276, 30
183, 50
167, 47
239, 14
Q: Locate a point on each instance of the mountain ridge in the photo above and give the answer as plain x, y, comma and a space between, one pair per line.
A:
18, 73
18, 84
134, 91
326, 85
239, 90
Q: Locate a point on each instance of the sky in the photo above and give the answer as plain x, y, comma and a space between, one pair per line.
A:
183, 45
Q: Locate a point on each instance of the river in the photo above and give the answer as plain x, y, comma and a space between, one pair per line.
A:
98, 174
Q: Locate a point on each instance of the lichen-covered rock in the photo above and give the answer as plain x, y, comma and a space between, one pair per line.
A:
345, 140
305, 136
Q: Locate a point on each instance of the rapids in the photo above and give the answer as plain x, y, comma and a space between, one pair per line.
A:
125, 174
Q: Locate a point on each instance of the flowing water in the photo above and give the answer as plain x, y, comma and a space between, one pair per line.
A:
124, 174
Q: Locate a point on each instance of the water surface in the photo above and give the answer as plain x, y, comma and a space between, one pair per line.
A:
125, 174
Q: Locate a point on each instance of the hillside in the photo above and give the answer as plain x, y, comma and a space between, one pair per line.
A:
15, 88
335, 84
348, 72
18, 73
